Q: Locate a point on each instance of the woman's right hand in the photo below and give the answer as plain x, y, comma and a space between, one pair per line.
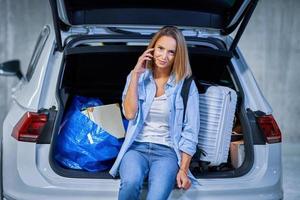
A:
140, 66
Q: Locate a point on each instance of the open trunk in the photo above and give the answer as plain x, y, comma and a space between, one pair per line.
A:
99, 69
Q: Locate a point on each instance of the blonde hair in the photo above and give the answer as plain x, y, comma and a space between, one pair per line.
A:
181, 66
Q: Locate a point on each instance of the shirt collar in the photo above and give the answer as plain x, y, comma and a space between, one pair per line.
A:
171, 80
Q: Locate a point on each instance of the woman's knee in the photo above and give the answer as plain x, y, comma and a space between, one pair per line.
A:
130, 186
132, 180
132, 170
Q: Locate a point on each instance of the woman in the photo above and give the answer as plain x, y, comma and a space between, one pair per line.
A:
159, 144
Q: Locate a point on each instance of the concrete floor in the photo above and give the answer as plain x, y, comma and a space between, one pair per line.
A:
291, 174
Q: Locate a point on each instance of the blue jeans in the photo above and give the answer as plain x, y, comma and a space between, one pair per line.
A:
155, 161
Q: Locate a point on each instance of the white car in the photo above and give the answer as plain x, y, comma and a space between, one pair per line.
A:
90, 50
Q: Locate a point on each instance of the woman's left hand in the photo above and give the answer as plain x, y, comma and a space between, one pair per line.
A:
183, 180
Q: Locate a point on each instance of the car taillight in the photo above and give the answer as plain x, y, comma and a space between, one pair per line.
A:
30, 126
269, 128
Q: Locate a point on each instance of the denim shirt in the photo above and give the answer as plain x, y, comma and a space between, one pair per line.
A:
184, 134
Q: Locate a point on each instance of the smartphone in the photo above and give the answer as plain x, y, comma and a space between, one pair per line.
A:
149, 62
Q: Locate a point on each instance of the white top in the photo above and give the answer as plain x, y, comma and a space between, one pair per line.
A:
156, 125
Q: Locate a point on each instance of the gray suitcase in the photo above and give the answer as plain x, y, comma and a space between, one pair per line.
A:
217, 109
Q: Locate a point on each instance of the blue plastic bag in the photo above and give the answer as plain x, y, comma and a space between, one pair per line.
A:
82, 144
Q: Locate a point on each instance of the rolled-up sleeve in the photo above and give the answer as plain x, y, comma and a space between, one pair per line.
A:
191, 124
124, 95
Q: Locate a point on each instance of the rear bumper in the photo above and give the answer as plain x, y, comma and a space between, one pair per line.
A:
33, 178
27, 175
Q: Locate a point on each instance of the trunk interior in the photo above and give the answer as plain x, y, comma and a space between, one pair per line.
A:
101, 71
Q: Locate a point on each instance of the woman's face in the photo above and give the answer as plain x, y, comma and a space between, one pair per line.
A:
164, 52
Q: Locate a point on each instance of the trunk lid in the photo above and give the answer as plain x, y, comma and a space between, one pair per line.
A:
223, 16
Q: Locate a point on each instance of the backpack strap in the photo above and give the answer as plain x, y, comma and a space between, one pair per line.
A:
185, 92
185, 95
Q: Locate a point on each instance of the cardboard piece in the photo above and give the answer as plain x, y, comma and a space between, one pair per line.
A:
237, 153
107, 117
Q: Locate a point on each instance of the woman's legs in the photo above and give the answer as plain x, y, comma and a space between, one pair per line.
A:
135, 165
162, 174
133, 168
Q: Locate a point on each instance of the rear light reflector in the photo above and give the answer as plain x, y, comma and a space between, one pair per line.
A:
269, 128
30, 126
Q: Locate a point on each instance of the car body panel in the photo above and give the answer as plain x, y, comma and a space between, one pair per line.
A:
35, 179
28, 94
253, 96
